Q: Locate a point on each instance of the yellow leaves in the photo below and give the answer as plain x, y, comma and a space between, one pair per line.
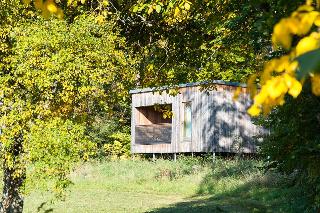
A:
292, 67
237, 93
158, 8
48, 7
315, 80
105, 3
279, 75
278, 65
309, 2
281, 35
281, 64
306, 22
171, 11
254, 110
299, 23
307, 44
153, 7
75, 3
150, 10
251, 85
305, 8
59, 13
38, 4
26, 2
273, 92
176, 12
276, 87
187, 6
100, 19
292, 84
51, 6
317, 21
261, 97
293, 25
295, 89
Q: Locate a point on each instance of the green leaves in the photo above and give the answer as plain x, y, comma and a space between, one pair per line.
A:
61, 66
158, 8
196, 41
54, 158
308, 63
119, 146
59, 76
135, 9
187, 6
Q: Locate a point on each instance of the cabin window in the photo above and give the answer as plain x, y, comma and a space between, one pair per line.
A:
153, 124
187, 122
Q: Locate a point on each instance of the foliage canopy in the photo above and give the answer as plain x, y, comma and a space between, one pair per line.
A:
55, 79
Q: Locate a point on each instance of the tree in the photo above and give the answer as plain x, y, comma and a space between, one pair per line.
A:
289, 99
62, 74
184, 41
293, 144
300, 41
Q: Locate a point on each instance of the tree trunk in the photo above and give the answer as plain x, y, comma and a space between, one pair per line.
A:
12, 199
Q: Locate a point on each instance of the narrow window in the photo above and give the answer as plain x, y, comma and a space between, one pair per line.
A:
187, 121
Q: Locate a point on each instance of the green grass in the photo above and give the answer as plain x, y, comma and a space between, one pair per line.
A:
167, 186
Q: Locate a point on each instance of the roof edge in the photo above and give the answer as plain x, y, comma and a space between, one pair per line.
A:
221, 82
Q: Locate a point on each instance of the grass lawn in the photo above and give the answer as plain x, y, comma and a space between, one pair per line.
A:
167, 186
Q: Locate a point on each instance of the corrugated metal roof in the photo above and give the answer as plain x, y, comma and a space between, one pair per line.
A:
153, 89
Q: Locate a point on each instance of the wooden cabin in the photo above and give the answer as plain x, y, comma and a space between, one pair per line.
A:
202, 121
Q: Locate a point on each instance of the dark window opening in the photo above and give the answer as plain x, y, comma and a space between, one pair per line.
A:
153, 124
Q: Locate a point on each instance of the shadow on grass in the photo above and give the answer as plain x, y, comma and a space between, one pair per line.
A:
259, 194
232, 202
41, 208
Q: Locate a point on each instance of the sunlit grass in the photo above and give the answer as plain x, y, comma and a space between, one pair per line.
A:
167, 186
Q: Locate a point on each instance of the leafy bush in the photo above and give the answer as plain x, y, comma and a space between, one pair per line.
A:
293, 145
119, 146
111, 136
56, 148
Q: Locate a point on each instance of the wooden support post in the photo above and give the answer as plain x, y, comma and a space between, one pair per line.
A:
213, 153
191, 154
213, 156
153, 157
175, 157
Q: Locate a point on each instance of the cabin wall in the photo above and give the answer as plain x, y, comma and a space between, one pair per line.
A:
149, 99
219, 124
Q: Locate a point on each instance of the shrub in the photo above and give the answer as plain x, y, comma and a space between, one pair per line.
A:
57, 147
119, 145
111, 136
293, 146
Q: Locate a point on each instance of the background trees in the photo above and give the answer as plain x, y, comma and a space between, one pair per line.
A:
58, 76
208, 40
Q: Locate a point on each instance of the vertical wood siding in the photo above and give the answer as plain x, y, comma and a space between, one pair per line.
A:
218, 123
